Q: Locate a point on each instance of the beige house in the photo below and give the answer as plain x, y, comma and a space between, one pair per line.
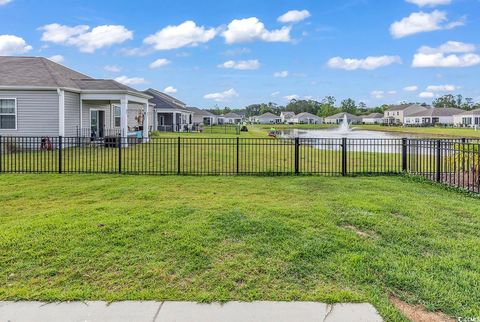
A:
395, 115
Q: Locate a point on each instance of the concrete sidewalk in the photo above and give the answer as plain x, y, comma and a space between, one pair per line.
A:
130, 311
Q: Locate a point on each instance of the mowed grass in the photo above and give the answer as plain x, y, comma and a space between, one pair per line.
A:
424, 131
111, 237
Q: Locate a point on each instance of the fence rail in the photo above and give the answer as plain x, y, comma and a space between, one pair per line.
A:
454, 162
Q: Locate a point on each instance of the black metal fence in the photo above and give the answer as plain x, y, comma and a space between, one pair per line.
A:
454, 162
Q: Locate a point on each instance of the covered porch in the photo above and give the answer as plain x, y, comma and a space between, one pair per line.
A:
173, 120
105, 115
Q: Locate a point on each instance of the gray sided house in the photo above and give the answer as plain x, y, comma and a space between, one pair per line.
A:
170, 114
395, 114
41, 98
339, 117
203, 117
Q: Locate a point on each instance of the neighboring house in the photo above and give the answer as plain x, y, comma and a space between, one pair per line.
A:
39, 97
170, 114
286, 116
306, 118
339, 117
204, 117
267, 118
433, 116
395, 114
233, 118
373, 118
467, 119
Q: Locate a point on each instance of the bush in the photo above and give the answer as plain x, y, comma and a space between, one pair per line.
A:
244, 128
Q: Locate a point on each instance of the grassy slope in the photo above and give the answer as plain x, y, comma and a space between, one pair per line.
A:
216, 238
424, 131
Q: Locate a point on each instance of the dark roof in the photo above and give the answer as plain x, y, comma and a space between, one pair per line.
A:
402, 107
472, 112
305, 114
438, 112
373, 116
232, 115
162, 100
201, 112
42, 72
268, 114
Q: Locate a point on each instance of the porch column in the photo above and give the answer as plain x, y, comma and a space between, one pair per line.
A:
61, 112
124, 116
146, 121
174, 122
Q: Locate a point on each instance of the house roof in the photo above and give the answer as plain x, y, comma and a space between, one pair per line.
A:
373, 116
472, 112
268, 114
432, 112
200, 112
288, 114
341, 115
43, 73
232, 115
402, 107
162, 100
306, 114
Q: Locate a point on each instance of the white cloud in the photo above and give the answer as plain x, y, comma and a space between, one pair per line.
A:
412, 88
185, 34
291, 97
13, 45
57, 58
449, 54
275, 93
422, 22
222, 96
282, 74
112, 68
426, 95
251, 29
130, 80
159, 63
4, 2
241, 65
294, 16
377, 94
441, 88
392, 92
170, 90
86, 41
429, 3
368, 63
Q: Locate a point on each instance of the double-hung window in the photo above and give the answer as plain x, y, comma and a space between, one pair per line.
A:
117, 116
8, 114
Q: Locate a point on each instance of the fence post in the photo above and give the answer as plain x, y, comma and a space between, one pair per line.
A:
344, 157
404, 155
297, 156
60, 148
238, 154
439, 155
178, 155
120, 154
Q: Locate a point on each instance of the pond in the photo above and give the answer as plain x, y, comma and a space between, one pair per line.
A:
337, 133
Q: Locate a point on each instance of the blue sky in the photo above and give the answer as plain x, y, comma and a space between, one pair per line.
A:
235, 53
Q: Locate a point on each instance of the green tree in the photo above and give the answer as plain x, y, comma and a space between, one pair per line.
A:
348, 106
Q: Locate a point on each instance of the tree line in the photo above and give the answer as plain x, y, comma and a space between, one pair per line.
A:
328, 106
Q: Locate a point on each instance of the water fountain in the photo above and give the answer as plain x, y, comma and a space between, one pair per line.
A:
344, 126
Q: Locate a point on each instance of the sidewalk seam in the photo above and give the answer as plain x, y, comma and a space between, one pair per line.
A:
158, 312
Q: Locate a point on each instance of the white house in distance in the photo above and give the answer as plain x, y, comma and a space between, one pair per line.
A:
267, 118
467, 119
395, 115
306, 118
372, 118
432, 116
286, 116
339, 117
232, 118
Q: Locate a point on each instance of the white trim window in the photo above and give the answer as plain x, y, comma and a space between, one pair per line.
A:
117, 116
8, 113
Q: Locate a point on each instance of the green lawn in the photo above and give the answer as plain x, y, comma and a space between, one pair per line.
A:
112, 237
424, 131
